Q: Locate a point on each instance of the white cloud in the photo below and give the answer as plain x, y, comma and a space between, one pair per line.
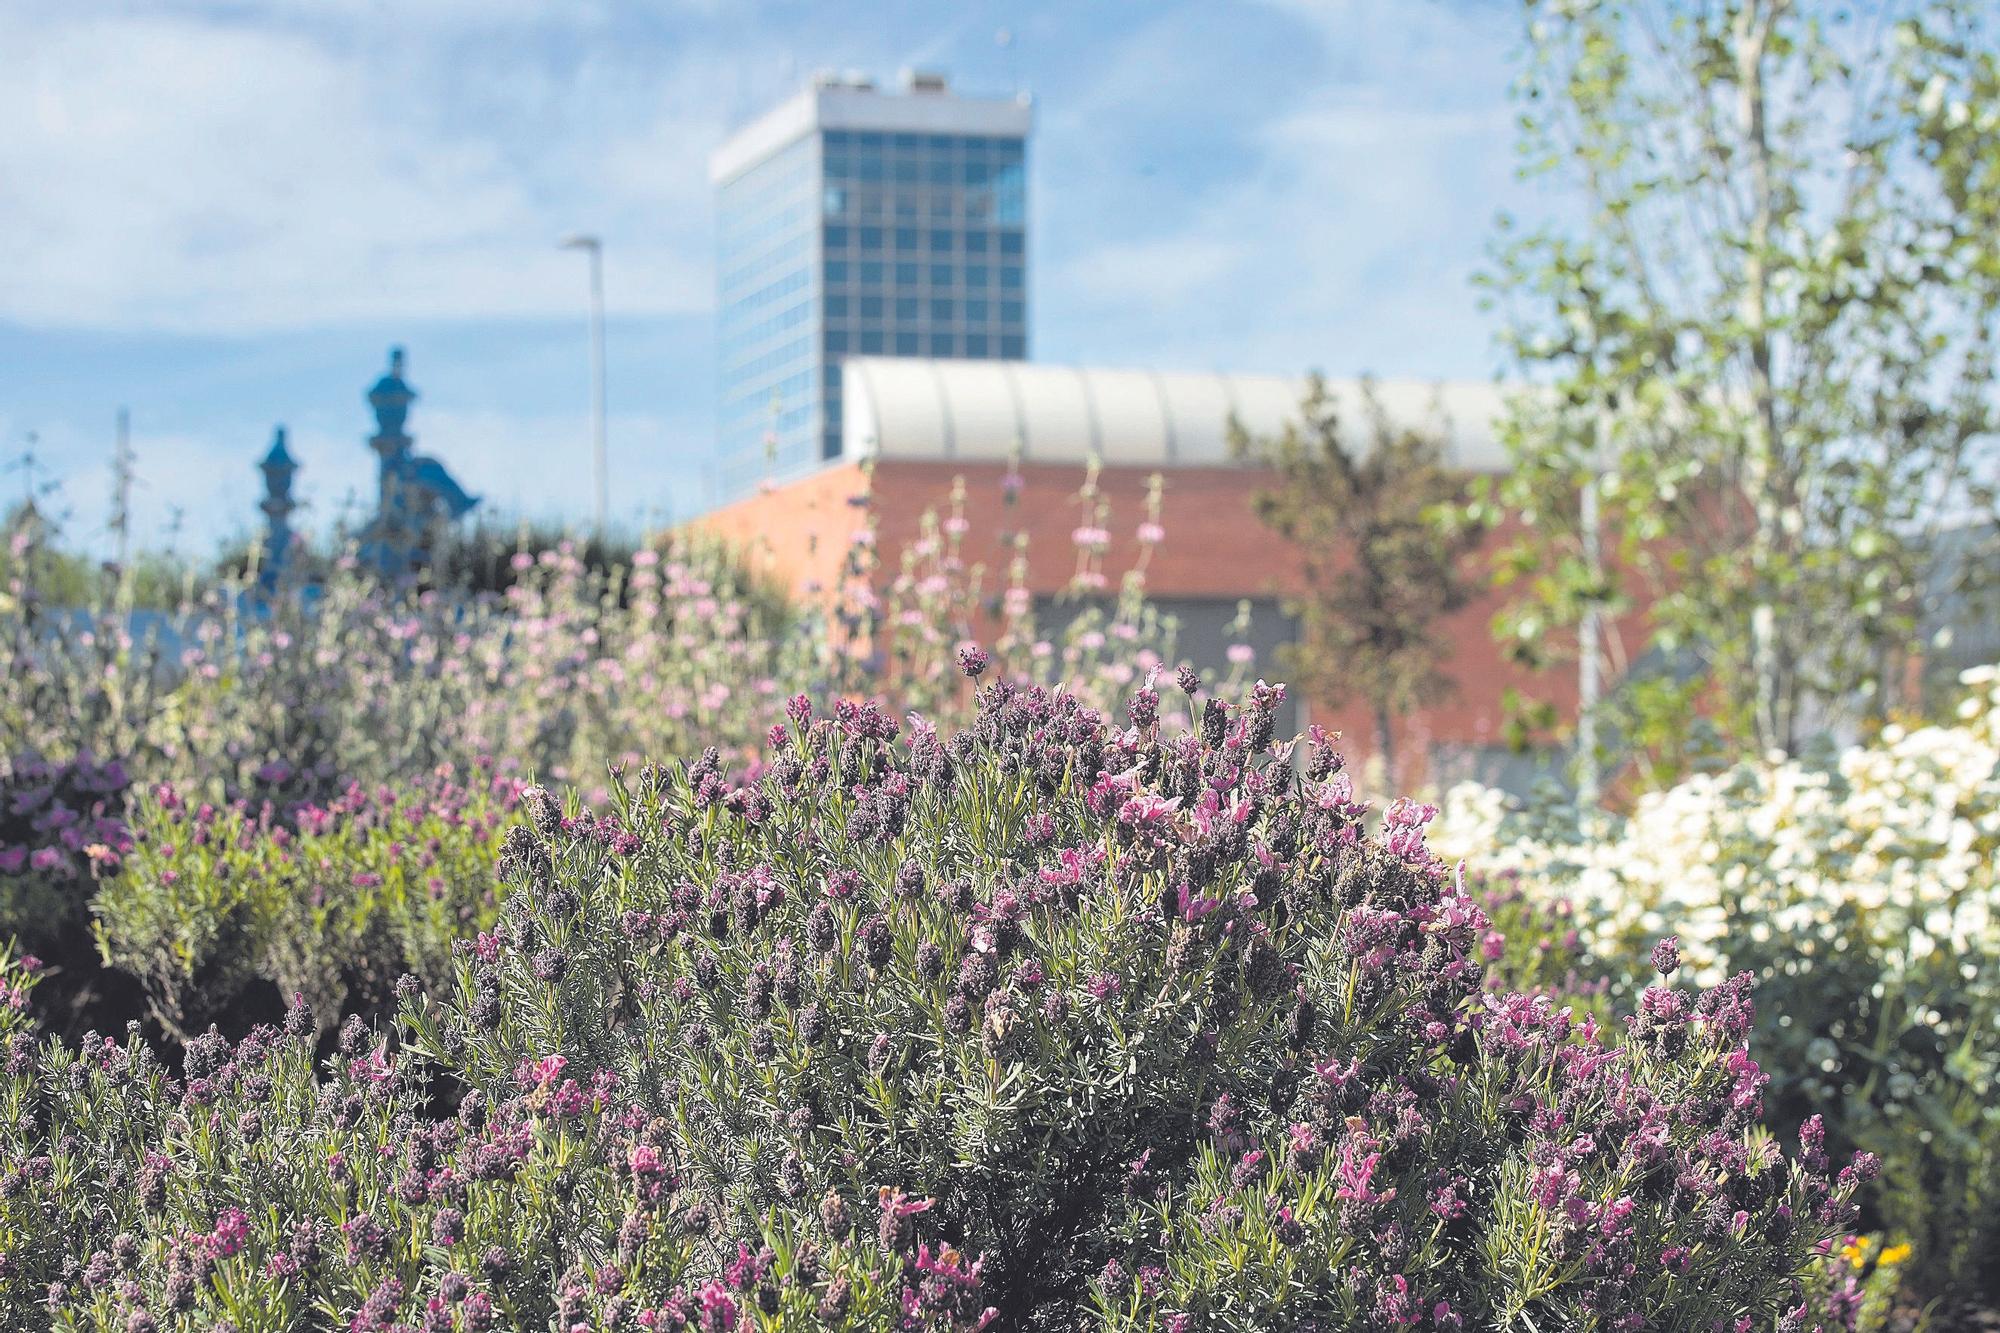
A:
1344, 226
177, 172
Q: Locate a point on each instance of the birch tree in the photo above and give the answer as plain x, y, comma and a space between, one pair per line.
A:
1760, 324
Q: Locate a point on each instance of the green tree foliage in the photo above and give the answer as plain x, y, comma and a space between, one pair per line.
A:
1380, 569
1768, 323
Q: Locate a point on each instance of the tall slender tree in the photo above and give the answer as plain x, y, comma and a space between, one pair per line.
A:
1761, 329
1381, 568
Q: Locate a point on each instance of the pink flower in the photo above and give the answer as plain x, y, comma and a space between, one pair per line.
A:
718, 1307
374, 1067
540, 1073
231, 1234
1147, 808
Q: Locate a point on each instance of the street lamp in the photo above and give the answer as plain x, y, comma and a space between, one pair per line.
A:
595, 248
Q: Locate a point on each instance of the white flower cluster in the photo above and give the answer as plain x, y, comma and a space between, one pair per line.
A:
1897, 838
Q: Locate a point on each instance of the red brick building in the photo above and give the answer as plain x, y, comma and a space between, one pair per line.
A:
926, 423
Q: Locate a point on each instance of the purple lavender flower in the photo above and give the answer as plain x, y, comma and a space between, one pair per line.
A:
1667, 956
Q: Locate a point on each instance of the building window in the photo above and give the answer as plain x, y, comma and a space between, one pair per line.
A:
975, 275
836, 166
871, 343
941, 275
836, 272
836, 307
942, 344
871, 239
904, 170
836, 342
939, 172
906, 344
906, 237
907, 275
871, 307
1012, 192
941, 242
1013, 347
906, 308
975, 312
940, 310
834, 203
1010, 242
1011, 312
975, 242
975, 344
871, 274
836, 237
1010, 276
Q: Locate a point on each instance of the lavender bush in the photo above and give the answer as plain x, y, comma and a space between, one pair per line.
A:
1047, 1024
1149, 1022
254, 1192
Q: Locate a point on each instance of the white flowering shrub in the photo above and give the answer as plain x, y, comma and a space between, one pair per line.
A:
1862, 888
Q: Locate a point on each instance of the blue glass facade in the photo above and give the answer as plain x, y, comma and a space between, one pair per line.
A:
859, 242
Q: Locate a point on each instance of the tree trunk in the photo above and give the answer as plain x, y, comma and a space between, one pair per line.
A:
1773, 714
1385, 743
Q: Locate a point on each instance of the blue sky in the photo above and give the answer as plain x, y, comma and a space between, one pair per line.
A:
221, 215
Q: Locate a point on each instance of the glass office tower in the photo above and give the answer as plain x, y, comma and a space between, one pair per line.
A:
854, 221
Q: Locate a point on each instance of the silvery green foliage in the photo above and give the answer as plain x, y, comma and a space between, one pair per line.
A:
258, 1191
1162, 1034
1046, 1024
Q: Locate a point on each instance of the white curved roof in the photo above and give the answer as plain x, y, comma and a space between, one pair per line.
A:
915, 408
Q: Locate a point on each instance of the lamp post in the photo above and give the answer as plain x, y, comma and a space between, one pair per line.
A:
595, 249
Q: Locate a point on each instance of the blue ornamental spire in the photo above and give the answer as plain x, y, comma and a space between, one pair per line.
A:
417, 496
278, 468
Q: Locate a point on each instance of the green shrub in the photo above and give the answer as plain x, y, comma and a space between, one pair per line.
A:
221, 911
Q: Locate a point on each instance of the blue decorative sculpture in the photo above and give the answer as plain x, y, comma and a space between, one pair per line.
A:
278, 469
417, 497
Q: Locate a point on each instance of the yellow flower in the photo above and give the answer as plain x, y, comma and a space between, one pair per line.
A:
1895, 1254
1855, 1251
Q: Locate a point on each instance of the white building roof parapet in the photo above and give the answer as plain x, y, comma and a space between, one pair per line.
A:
916, 408
927, 107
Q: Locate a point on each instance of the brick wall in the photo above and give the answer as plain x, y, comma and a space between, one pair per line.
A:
1214, 548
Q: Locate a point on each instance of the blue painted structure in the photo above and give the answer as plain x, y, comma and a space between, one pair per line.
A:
416, 495
278, 468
